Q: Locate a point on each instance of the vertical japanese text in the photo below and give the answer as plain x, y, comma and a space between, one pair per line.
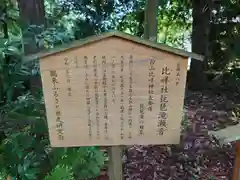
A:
88, 99
59, 122
96, 82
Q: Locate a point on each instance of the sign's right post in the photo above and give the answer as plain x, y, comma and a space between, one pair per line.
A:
236, 175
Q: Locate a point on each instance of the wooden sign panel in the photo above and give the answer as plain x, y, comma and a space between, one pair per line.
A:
113, 92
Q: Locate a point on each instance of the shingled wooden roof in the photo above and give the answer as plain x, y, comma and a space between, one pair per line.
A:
125, 36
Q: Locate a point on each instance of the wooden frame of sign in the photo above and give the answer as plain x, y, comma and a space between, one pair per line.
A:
114, 89
236, 172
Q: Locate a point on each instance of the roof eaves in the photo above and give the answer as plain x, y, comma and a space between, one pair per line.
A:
159, 46
126, 36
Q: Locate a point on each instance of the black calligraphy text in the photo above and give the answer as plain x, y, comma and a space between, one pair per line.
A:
59, 122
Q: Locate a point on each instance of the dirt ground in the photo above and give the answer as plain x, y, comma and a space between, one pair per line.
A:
198, 156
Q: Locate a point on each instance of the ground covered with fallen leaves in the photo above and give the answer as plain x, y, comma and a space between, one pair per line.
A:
198, 156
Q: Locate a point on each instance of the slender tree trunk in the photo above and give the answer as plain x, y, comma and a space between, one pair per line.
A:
32, 13
151, 27
151, 22
200, 38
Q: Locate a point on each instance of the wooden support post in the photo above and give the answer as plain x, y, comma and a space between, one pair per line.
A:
236, 175
115, 170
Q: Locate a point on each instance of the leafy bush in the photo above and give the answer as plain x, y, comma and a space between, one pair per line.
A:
25, 152
85, 162
60, 172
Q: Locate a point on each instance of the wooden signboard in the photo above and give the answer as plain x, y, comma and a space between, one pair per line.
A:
114, 89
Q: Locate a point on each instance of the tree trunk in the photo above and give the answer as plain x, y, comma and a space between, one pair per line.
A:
151, 27
200, 37
32, 13
151, 22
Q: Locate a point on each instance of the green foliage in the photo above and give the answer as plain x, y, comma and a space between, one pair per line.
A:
25, 152
224, 35
54, 36
3, 176
12, 72
60, 172
24, 148
174, 24
85, 161
132, 19
88, 17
